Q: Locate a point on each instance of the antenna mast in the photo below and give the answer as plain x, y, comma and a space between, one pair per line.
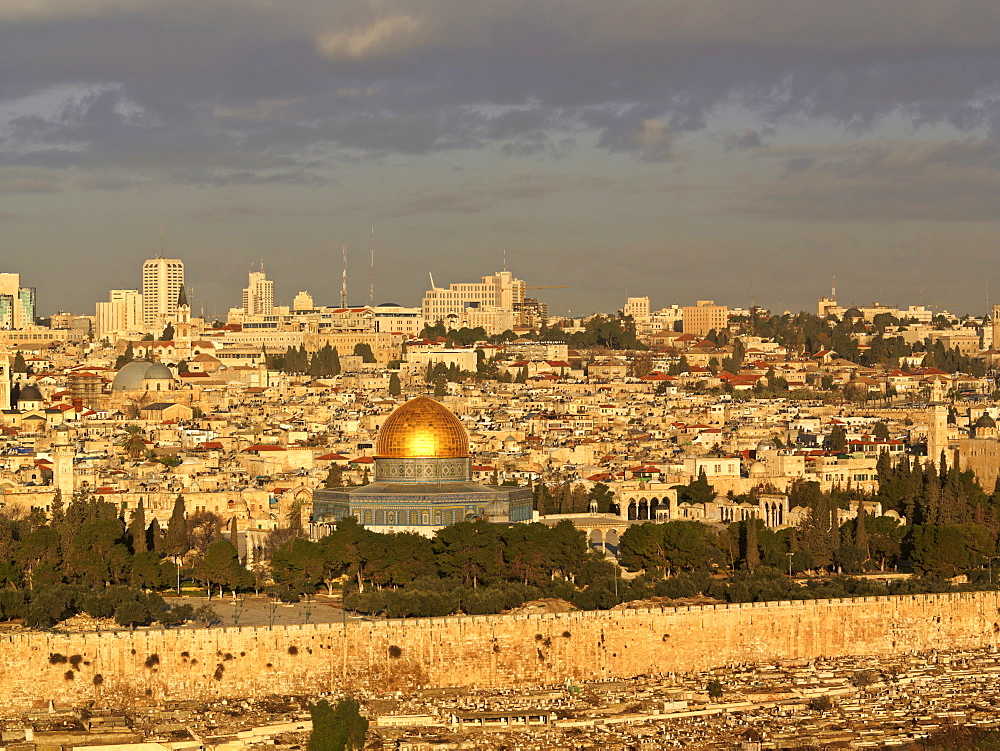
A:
161, 241
371, 292
833, 289
343, 282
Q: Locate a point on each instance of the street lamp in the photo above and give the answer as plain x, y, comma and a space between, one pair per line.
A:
790, 564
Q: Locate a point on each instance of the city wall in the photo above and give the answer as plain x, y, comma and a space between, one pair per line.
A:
122, 668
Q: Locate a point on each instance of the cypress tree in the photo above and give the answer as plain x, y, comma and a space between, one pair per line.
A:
861, 532
175, 542
154, 538
137, 529
751, 551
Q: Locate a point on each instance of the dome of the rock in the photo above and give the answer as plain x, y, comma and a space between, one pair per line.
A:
422, 428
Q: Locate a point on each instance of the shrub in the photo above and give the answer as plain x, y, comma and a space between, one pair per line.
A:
821, 704
178, 615
206, 616
133, 613
715, 689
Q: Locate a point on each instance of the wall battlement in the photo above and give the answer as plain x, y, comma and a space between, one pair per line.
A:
122, 668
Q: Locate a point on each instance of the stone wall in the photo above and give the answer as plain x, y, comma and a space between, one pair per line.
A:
121, 668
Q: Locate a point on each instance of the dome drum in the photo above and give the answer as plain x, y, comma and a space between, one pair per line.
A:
420, 469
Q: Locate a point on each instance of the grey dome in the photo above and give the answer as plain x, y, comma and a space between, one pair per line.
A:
130, 377
985, 421
766, 445
158, 371
30, 393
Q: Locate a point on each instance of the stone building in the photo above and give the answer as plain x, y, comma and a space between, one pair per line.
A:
423, 479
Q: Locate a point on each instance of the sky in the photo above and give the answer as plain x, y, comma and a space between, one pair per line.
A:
733, 150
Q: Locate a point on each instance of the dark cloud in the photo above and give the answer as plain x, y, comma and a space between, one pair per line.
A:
748, 139
230, 85
956, 180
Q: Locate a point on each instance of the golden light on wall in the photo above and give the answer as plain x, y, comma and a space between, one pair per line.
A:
422, 428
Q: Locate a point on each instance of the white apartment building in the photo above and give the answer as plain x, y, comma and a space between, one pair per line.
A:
162, 279
638, 308
396, 319
303, 301
258, 297
495, 302
121, 314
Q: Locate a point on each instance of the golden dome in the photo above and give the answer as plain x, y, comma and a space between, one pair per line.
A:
422, 428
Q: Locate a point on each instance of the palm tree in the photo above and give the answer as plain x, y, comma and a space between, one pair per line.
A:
134, 442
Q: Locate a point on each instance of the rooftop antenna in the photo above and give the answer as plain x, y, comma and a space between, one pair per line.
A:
160, 254
371, 292
431, 275
343, 282
505, 259
833, 288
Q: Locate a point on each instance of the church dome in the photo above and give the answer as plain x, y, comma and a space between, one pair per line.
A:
422, 428
30, 393
158, 371
129, 378
985, 421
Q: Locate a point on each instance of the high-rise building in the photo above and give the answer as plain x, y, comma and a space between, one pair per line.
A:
122, 313
258, 297
17, 303
162, 279
499, 297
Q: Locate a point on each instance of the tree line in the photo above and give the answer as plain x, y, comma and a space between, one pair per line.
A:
83, 557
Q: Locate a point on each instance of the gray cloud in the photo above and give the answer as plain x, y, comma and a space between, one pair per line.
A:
884, 181
240, 84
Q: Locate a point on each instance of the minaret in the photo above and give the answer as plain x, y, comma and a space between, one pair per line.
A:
937, 424
995, 320
62, 470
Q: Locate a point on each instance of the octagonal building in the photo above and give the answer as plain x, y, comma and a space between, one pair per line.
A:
423, 479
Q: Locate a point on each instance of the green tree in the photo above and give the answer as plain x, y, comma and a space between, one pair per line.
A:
469, 550
298, 564
339, 728
395, 388
137, 529
440, 386
669, 547
837, 440
134, 442
168, 333
176, 541
334, 476
602, 496
364, 351
221, 567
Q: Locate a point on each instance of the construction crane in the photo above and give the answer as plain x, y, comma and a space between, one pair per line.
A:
551, 286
